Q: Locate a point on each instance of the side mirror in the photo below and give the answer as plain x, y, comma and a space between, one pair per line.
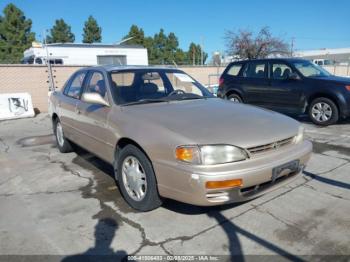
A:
94, 98
293, 76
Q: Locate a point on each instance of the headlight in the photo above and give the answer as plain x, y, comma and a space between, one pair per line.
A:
210, 154
300, 137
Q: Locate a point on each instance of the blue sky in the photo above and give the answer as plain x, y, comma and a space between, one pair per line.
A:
313, 23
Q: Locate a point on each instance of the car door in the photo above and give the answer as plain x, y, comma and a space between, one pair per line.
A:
284, 93
93, 118
67, 105
254, 82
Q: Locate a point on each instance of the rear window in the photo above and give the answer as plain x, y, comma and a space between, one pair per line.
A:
234, 70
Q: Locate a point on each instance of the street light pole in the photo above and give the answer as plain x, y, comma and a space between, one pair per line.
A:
202, 54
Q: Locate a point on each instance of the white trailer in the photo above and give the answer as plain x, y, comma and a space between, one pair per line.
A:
85, 54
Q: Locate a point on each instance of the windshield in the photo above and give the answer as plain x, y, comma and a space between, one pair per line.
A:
308, 69
151, 86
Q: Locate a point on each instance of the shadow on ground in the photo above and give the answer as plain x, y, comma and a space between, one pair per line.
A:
105, 230
103, 238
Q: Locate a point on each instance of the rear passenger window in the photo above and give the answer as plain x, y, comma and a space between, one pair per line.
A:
73, 90
255, 70
234, 70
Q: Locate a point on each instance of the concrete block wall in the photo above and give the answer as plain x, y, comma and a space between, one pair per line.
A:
34, 79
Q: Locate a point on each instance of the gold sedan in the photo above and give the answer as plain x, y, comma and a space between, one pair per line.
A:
169, 137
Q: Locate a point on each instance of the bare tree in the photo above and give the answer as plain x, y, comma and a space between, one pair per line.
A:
246, 45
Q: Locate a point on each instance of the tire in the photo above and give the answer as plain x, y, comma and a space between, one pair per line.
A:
323, 112
62, 143
235, 98
147, 197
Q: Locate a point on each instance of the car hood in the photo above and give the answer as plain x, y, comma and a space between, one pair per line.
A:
215, 121
333, 79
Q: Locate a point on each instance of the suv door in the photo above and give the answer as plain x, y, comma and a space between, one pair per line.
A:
284, 94
254, 82
93, 118
68, 105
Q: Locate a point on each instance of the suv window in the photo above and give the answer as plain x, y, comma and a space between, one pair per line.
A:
234, 69
96, 84
280, 71
255, 70
73, 89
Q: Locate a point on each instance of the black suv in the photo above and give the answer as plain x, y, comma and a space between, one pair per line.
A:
291, 86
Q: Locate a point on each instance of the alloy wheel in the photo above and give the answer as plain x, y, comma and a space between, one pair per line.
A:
59, 134
134, 178
322, 112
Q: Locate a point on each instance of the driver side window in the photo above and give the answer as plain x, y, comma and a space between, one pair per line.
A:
280, 71
97, 84
75, 86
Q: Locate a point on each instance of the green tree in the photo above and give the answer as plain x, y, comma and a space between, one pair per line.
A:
180, 57
159, 44
171, 47
137, 36
92, 32
61, 33
194, 54
15, 34
164, 49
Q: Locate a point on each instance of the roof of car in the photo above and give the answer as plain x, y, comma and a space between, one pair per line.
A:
110, 68
290, 59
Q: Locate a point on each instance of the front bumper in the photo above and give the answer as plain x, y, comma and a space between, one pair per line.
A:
186, 183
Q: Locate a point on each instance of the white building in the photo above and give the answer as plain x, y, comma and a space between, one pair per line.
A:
86, 54
326, 56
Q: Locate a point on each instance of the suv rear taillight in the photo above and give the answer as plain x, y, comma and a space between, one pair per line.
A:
347, 88
221, 81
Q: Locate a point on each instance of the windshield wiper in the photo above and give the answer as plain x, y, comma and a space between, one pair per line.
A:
191, 97
145, 101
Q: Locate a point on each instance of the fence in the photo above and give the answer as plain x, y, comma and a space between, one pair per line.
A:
338, 70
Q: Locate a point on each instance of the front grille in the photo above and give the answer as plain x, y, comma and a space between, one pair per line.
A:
268, 147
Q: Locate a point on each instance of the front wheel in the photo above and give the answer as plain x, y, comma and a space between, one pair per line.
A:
136, 179
323, 111
62, 143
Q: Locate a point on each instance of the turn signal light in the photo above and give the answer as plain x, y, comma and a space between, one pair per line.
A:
347, 88
185, 153
223, 184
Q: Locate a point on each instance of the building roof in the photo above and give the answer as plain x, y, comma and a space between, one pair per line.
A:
324, 51
94, 45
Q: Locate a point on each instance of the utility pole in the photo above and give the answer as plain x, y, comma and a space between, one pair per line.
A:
292, 47
202, 54
48, 63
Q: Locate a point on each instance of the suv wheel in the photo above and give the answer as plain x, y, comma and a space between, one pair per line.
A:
323, 111
235, 98
62, 143
136, 179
